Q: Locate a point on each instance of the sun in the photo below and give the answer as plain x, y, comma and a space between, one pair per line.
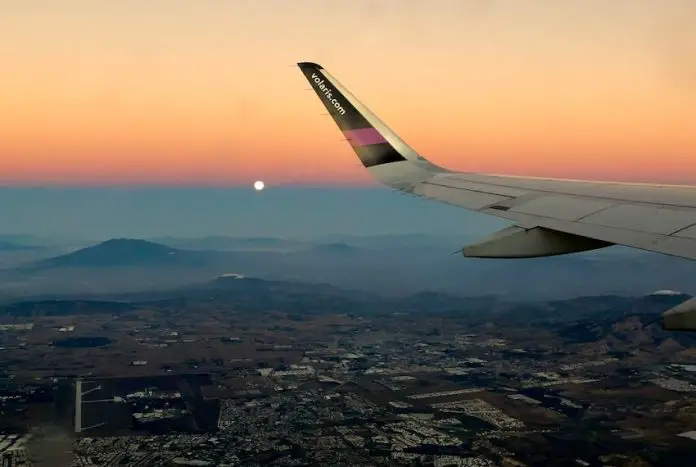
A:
259, 185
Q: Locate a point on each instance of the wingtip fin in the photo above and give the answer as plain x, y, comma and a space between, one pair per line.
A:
370, 143
308, 65
379, 149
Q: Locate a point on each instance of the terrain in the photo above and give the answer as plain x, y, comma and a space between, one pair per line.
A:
380, 350
387, 265
305, 372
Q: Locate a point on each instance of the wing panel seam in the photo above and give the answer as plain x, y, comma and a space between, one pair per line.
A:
615, 200
542, 217
471, 190
579, 219
681, 229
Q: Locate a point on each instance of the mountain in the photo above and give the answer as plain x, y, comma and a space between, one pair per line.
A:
614, 323
121, 266
33, 308
393, 241
335, 248
621, 323
233, 292
16, 251
18, 243
260, 294
415, 264
21, 239
232, 243
122, 252
448, 242
14, 246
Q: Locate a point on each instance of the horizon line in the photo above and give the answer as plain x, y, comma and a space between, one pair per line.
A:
249, 186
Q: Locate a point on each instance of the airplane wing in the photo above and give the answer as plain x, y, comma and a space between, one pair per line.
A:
550, 216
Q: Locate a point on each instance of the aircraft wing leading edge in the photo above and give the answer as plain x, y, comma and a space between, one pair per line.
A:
550, 216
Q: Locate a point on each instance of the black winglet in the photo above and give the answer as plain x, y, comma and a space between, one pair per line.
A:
309, 65
368, 142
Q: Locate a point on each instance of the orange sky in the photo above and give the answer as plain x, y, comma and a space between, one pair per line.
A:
206, 91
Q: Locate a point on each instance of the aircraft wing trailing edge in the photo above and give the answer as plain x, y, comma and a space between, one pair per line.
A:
550, 216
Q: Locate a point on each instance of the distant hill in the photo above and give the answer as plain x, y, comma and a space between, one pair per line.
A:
128, 265
13, 246
625, 322
335, 248
122, 252
403, 240
231, 291
253, 294
64, 307
561, 315
231, 243
612, 323
30, 240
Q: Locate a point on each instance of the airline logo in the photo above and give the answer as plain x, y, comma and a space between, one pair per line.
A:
327, 92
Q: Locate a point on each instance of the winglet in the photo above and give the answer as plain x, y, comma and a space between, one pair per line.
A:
370, 142
386, 156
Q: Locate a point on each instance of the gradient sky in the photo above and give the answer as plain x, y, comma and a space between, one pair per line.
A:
207, 91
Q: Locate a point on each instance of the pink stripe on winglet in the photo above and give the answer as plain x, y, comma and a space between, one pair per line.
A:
364, 136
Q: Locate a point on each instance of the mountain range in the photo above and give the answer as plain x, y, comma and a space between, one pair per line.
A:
388, 266
615, 323
123, 253
12, 246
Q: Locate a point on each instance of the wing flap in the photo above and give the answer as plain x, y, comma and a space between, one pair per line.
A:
453, 182
665, 244
468, 199
652, 219
665, 230
664, 195
561, 207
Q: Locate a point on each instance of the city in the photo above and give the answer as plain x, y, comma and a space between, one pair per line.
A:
215, 385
